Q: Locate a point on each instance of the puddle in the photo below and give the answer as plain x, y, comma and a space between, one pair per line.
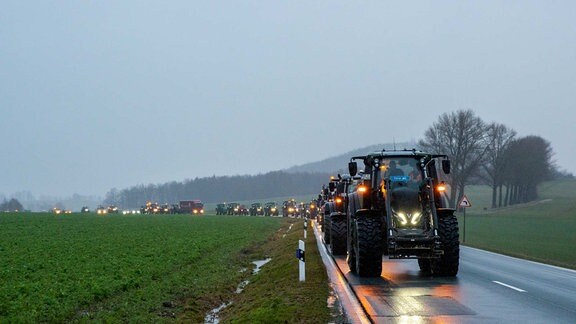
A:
241, 286
288, 230
212, 316
336, 310
259, 264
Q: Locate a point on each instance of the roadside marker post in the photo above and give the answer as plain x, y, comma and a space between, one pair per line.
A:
464, 203
305, 227
301, 256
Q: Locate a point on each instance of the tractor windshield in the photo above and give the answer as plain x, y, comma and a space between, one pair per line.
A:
402, 171
402, 178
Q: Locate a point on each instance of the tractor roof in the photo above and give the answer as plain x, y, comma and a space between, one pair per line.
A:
387, 154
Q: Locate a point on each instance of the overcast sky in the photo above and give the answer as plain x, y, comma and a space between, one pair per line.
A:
103, 94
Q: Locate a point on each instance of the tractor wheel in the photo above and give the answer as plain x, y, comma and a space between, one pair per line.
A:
338, 239
425, 265
350, 244
368, 247
447, 264
326, 227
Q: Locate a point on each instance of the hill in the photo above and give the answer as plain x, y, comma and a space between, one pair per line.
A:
339, 163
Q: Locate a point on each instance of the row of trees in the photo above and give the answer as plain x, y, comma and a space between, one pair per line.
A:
11, 205
487, 153
492, 154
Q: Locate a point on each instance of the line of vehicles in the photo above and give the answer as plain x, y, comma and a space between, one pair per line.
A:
289, 208
195, 207
396, 206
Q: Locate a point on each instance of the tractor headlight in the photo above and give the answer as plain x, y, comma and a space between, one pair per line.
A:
402, 218
408, 218
415, 219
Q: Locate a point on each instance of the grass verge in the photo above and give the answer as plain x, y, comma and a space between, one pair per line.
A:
275, 293
541, 231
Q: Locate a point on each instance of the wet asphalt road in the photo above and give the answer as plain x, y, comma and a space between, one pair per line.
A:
489, 288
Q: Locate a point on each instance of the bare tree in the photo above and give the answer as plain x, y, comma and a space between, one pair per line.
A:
461, 135
499, 138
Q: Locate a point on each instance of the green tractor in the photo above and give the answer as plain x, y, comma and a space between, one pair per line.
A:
401, 210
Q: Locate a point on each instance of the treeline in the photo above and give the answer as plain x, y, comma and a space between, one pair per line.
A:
492, 154
11, 205
218, 189
481, 153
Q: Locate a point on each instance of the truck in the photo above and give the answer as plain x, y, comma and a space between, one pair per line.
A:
195, 207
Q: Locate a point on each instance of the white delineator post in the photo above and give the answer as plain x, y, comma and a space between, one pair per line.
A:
302, 260
305, 228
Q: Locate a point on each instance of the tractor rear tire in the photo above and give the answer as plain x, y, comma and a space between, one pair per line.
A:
368, 246
351, 244
447, 264
326, 227
338, 233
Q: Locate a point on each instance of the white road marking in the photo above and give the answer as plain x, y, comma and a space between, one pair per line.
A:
508, 286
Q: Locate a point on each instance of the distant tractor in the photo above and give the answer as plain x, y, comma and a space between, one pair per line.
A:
289, 208
221, 209
195, 207
313, 209
243, 210
113, 209
256, 209
101, 210
233, 208
271, 209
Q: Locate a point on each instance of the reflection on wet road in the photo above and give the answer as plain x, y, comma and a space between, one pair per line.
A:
402, 294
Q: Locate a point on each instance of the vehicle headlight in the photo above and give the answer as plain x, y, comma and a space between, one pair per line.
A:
415, 218
408, 218
402, 218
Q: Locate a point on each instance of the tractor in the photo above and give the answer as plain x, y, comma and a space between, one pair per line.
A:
256, 209
271, 209
221, 209
401, 210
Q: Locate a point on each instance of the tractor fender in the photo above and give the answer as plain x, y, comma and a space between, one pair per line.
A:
367, 213
445, 212
337, 216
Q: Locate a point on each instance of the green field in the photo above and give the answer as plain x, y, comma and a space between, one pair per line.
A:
175, 268
542, 231
127, 268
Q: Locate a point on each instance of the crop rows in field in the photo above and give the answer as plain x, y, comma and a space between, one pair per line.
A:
58, 268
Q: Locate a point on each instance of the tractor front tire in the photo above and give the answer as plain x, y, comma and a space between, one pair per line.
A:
368, 245
447, 264
338, 235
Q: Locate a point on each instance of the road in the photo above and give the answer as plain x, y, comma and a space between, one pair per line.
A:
489, 288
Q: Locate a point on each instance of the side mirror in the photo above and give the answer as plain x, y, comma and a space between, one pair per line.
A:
352, 168
332, 186
446, 166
